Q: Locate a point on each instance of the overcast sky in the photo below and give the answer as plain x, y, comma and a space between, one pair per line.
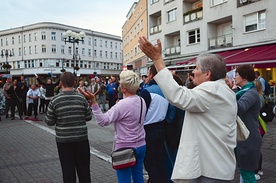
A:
106, 16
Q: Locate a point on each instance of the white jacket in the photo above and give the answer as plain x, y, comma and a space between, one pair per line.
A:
209, 131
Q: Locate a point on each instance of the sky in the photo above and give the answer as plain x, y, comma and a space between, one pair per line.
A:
106, 16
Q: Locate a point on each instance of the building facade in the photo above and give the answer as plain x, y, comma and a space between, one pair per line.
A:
242, 31
40, 48
134, 27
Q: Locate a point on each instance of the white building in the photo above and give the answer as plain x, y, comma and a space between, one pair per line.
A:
242, 31
39, 48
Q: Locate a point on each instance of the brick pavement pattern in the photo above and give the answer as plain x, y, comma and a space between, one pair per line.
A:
29, 154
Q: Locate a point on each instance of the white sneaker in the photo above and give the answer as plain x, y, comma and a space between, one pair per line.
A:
261, 173
257, 177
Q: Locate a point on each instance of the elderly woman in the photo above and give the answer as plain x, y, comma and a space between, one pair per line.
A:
206, 148
248, 100
128, 120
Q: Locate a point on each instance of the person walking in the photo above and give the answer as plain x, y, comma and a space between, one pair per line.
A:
208, 138
24, 89
16, 100
68, 112
42, 91
128, 116
112, 90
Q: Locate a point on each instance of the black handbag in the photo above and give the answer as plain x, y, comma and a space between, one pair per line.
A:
125, 157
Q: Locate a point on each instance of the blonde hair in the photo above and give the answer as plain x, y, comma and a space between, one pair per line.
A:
130, 81
258, 86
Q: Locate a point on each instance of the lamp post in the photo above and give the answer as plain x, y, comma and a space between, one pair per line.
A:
62, 62
7, 53
73, 37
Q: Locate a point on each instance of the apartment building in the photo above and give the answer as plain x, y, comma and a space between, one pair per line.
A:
242, 31
40, 48
134, 27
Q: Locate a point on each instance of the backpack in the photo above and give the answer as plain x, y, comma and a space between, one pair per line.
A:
267, 90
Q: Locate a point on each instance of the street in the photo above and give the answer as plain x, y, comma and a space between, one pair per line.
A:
28, 153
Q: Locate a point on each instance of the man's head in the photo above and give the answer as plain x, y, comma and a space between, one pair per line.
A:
257, 74
15, 82
9, 80
92, 80
49, 81
152, 72
144, 77
33, 86
67, 79
22, 78
81, 83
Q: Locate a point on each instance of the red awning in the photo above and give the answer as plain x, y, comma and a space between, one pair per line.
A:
261, 56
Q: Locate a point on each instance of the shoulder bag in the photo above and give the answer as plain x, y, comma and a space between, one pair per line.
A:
125, 157
242, 131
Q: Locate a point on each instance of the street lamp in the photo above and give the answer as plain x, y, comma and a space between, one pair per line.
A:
62, 62
7, 53
73, 37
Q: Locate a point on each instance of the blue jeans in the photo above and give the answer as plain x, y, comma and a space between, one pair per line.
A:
156, 155
101, 97
124, 176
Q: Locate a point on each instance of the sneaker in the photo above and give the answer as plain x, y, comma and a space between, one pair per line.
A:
257, 177
260, 172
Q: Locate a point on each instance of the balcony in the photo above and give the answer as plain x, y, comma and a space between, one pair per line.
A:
193, 15
245, 2
170, 51
155, 29
221, 41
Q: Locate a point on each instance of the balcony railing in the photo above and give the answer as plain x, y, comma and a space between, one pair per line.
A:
221, 41
193, 15
155, 29
175, 50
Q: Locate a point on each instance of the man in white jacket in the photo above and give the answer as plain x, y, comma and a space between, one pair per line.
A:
206, 149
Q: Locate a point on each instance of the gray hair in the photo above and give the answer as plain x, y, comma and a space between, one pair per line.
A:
130, 81
214, 63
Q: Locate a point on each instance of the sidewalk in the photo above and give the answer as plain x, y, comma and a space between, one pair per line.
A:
29, 154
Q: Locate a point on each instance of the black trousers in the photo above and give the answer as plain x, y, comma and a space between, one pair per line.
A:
32, 106
42, 105
75, 156
8, 104
155, 158
19, 108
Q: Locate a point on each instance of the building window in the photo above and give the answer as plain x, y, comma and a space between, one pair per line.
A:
116, 45
19, 39
70, 50
35, 36
89, 41
101, 43
54, 36
153, 1
106, 54
35, 49
116, 55
83, 51
217, 2
1, 42
18, 64
24, 38
30, 37
194, 36
111, 55
172, 15
95, 42
62, 49
25, 51
7, 41
89, 52
255, 21
106, 44
101, 53
43, 35
54, 48
43, 48
111, 44
95, 53
19, 52
12, 40
30, 50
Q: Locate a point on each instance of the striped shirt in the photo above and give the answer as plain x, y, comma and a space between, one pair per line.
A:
69, 111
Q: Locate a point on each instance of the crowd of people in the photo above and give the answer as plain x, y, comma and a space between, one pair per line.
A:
180, 131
